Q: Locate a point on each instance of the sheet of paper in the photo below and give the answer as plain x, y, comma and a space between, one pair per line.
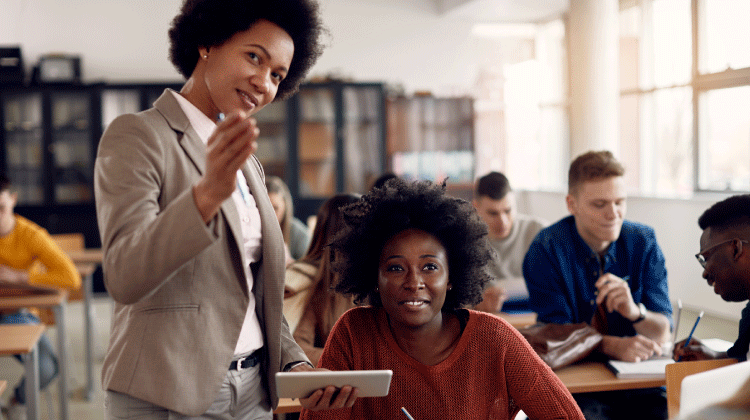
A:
717, 344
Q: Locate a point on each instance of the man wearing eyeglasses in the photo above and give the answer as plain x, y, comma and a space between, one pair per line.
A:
725, 258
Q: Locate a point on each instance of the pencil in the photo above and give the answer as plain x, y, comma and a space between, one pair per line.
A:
406, 413
690, 336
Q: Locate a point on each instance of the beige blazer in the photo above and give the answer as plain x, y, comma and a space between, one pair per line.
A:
178, 284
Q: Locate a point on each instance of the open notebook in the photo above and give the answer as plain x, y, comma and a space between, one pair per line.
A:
647, 369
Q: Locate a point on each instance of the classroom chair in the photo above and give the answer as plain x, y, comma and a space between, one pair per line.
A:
676, 372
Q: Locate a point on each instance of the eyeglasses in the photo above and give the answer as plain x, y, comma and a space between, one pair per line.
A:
702, 259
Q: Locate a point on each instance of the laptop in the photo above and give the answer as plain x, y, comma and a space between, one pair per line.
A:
711, 387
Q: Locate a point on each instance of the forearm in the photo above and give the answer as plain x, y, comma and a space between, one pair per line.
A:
655, 326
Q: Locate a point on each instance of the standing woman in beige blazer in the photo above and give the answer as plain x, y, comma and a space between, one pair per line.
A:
193, 254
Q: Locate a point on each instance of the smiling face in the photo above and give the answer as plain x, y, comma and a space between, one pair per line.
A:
599, 208
497, 214
413, 279
723, 272
243, 73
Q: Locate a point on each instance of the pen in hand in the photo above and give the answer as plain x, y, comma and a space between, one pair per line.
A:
690, 336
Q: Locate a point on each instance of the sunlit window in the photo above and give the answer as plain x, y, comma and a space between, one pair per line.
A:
726, 36
725, 139
656, 103
532, 111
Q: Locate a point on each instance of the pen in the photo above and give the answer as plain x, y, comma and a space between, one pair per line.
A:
625, 279
690, 336
408, 416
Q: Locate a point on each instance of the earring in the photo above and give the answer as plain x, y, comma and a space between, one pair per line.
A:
377, 290
450, 288
205, 56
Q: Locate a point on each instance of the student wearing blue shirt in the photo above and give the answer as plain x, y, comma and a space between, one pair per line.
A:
594, 258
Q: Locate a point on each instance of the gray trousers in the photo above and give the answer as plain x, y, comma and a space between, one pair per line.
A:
242, 397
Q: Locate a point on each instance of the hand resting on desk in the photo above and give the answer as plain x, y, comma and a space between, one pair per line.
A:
327, 398
630, 349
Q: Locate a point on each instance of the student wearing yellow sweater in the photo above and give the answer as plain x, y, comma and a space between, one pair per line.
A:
29, 256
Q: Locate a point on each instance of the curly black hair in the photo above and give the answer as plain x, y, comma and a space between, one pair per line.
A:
400, 205
208, 23
729, 213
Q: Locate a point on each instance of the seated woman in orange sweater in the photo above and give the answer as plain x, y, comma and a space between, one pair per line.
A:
22, 244
419, 256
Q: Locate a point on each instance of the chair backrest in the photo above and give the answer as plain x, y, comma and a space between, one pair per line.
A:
707, 388
676, 372
70, 241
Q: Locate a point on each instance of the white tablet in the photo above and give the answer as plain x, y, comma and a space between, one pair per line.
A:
371, 383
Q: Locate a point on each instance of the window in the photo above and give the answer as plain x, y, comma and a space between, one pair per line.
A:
522, 115
685, 128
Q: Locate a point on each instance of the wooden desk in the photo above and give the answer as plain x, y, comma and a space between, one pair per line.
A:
581, 377
519, 320
22, 340
86, 270
50, 298
288, 405
88, 255
595, 377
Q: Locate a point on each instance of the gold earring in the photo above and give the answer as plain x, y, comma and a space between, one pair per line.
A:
205, 56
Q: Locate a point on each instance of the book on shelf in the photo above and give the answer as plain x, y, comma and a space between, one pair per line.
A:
648, 369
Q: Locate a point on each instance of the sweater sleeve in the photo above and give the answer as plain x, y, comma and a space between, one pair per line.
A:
59, 270
531, 383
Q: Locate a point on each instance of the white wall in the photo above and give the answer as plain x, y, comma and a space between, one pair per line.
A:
401, 42
676, 224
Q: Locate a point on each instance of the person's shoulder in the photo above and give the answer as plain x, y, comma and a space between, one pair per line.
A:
299, 225
26, 227
559, 231
479, 320
636, 231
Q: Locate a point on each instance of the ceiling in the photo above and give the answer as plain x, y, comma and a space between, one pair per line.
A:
503, 10
485, 11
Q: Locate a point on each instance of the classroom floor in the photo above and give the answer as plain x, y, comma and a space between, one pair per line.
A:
80, 409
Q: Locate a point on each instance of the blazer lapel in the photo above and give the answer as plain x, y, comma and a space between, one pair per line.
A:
194, 148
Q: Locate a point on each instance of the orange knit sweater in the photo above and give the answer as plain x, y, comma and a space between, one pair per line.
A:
491, 374
29, 243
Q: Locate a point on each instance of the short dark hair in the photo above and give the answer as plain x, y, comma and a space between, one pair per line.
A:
401, 205
207, 23
494, 185
4, 183
593, 166
730, 213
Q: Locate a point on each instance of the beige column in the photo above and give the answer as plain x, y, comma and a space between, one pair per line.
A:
593, 36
